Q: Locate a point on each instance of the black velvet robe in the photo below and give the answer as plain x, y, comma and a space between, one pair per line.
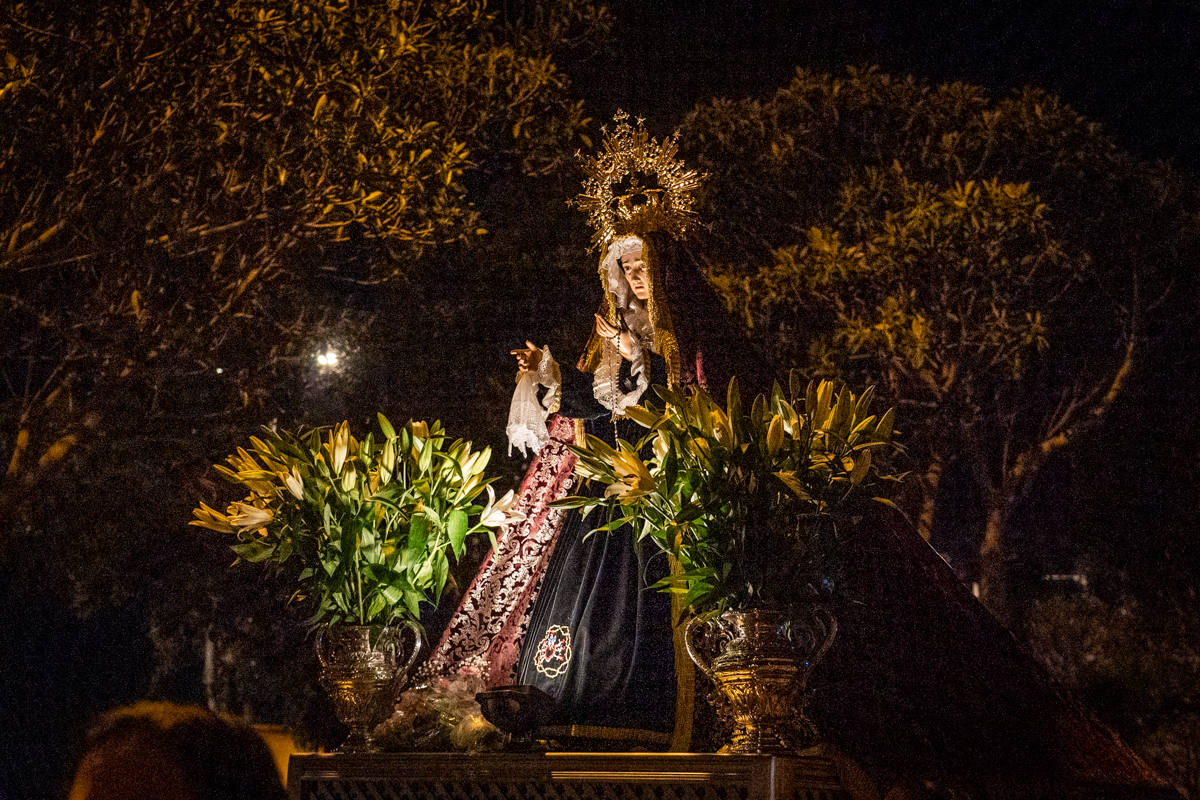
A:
599, 639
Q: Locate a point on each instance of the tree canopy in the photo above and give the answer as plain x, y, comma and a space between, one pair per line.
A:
182, 180
989, 263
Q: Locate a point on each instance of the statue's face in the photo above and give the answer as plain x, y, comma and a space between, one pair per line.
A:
635, 274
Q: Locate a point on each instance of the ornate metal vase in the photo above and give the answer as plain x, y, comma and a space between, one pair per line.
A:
761, 670
364, 668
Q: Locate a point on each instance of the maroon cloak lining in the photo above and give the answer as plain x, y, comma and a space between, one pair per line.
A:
485, 633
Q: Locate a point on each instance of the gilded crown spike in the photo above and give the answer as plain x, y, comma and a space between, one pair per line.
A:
636, 185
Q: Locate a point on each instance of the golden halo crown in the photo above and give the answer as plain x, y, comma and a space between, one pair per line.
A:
636, 185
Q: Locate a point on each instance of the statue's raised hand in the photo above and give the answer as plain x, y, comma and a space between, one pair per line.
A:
528, 357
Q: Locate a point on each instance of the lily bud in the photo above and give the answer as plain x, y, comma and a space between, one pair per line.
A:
387, 459
339, 446
294, 483
775, 435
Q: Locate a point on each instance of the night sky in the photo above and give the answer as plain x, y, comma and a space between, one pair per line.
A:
1133, 66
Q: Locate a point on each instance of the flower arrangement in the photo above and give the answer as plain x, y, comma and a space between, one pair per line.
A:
751, 503
368, 526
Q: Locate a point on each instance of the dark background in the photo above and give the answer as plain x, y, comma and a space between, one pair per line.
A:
1132, 66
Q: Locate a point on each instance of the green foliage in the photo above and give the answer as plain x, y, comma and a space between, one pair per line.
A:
927, 290
366, 528
751, 501
990, 264
292, 117
191, 185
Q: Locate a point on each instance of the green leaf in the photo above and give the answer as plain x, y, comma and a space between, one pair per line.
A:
670, 397
758, 410
412, 603
385, 426
642, 416
426, 458
733, 407
254, 552
456, 528
883, 431
441, 570
864, 403
418, 538
862, 463
824, 400
793, 483
392, 593
574, 501
794, 388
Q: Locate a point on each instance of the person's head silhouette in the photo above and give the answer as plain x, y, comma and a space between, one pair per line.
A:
174, 752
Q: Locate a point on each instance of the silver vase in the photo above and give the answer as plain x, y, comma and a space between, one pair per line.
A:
364, 668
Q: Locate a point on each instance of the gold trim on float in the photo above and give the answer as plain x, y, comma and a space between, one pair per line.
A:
625, 777
601, 732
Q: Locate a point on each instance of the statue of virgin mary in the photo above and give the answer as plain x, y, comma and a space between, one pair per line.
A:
556, 605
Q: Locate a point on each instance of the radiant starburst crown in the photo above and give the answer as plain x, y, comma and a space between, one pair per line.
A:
636, 185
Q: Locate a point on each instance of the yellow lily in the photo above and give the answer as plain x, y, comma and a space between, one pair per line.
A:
212, 519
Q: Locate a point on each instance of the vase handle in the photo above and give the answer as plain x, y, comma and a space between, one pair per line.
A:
321, 646
698, 626
831, 627
402, 672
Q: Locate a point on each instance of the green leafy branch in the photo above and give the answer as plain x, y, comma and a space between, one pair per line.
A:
369, 526
750, 502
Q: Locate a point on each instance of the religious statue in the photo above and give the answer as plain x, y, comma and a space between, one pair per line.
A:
570, 613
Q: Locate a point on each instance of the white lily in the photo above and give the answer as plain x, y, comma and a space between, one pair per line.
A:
498, 512
294, 483
339, 446
244, 515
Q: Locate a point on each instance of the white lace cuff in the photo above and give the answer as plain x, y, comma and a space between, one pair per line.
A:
527, 415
